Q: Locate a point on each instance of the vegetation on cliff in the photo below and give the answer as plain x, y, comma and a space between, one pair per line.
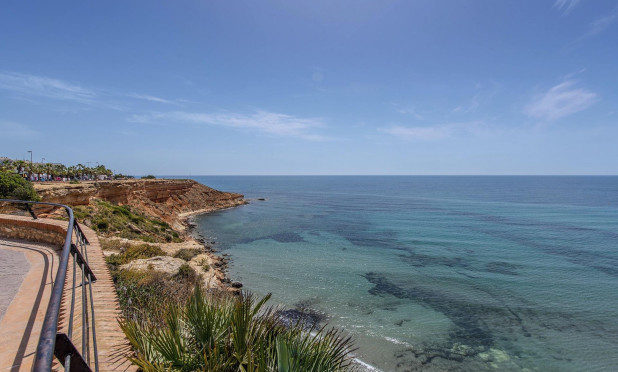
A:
14, 186
222, 332
143, 293
52, 171
122, 221
172, 323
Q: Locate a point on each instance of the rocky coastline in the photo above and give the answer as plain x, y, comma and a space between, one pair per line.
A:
172, 201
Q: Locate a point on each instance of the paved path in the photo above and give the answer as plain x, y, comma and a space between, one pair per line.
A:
13, 267
27, 272
29, 281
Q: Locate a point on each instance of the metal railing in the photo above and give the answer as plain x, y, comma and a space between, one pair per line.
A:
51, 342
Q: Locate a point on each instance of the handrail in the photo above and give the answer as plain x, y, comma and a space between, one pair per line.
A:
51, 343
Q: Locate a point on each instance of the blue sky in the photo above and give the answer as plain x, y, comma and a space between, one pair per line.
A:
313, 87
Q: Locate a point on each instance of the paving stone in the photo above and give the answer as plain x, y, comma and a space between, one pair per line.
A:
22, 318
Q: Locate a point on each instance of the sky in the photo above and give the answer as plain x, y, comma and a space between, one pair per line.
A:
320, 87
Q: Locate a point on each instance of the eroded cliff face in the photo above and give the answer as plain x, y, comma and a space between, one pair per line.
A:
169, 200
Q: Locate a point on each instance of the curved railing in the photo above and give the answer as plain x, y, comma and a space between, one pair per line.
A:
51, 342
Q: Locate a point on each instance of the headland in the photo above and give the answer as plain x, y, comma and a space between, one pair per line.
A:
155, 212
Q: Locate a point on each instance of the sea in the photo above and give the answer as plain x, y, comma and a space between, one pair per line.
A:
436, 273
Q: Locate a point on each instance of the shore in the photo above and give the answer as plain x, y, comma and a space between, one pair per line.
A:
174, 202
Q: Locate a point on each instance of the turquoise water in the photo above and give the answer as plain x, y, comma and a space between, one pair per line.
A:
437, 273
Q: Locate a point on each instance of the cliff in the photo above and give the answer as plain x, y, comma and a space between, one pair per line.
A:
170, 200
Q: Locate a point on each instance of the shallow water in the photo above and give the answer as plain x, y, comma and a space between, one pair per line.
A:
437, 273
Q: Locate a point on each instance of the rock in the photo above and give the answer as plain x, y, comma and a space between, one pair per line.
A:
307, 318
236, 285
164, 264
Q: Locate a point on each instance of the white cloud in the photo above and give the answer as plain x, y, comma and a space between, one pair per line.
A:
45, 87
409, 110
565, 6
437, 132
12, 130
150, 98
561, 100
600, 24
472, 106
40, 86
261, 121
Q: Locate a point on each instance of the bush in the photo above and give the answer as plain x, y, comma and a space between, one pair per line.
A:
187, 254
143, 295
204, 264
149, 177
233, 333
186, 273
14, 186
133, 252
124, 222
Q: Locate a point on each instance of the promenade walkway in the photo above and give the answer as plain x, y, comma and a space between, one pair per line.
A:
26, 282
27, 273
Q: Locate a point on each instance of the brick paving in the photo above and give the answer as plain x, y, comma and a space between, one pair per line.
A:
13, 267
112, 344
23, 318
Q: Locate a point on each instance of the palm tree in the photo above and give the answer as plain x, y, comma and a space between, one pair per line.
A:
48, 168
101, 170
72, 171
38, 169
225, 333
59, 170
7, 165
80, 170
20, 166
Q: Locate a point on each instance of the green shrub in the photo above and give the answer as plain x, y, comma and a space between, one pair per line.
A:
102, 225
204, 264
187, 254
124, 222
148, 177
14, 186
148, 239
233, 333
186, 273
133, 252
144, 294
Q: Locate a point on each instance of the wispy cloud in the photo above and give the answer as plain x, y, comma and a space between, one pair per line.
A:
12, 130
261, 121
150, 98
565, 6
600, 24
45, 87
471, 106
559, 101
27, 85
437, 132
408, 110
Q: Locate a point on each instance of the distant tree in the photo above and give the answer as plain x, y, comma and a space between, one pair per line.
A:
72, 171
7, 165
20, 166
148, 177
59, 170
14, 186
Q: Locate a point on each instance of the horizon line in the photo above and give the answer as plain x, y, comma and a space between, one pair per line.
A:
384, 175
